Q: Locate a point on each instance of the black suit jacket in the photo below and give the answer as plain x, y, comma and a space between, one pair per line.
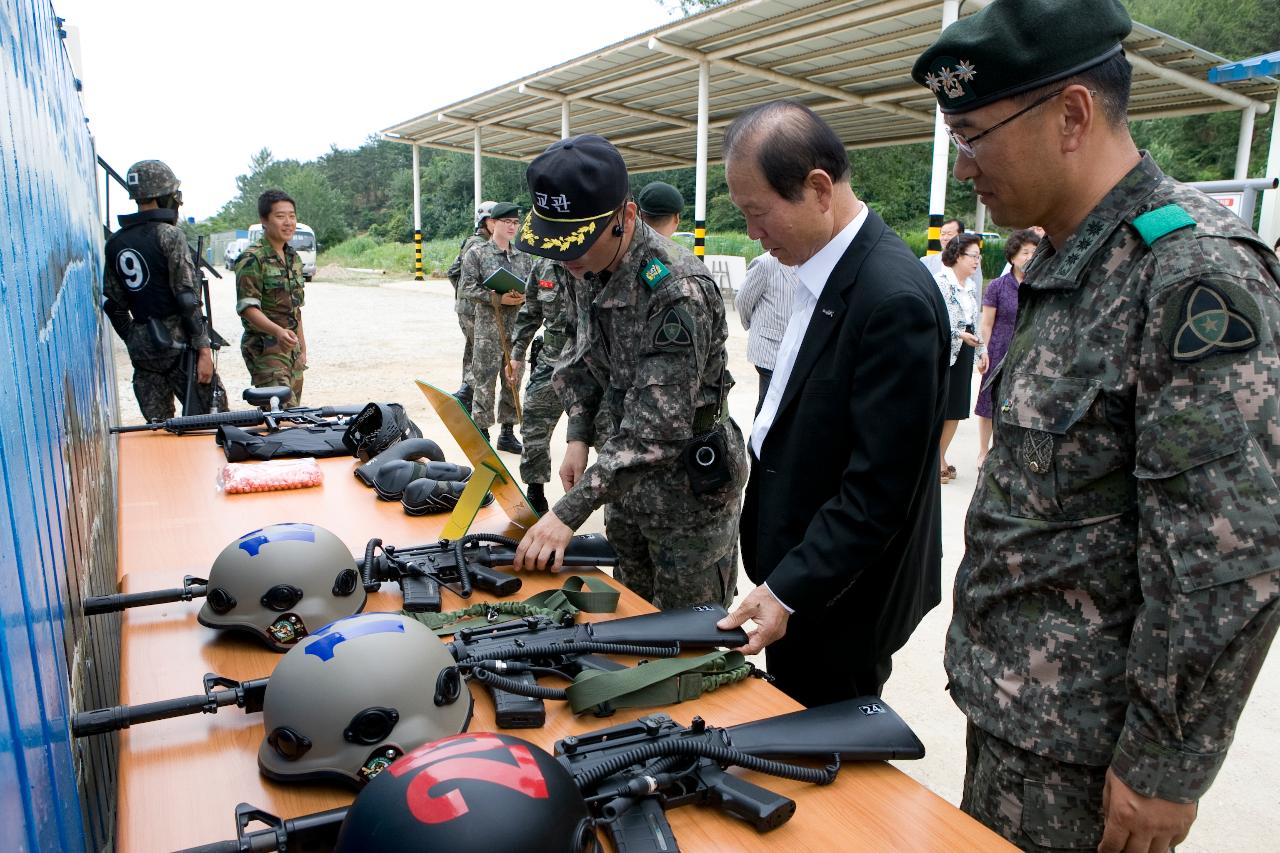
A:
842, 514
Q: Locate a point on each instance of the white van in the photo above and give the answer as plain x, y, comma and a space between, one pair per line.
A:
303, 242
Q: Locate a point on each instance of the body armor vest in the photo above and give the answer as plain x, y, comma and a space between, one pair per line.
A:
133, 253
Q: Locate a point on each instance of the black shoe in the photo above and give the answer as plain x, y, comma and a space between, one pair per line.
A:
507, 440
537, 499
485, 433
463, 393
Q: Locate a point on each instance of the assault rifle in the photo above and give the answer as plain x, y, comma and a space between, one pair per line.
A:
507, 657
462, 562
630, 774
216, 341
271, 417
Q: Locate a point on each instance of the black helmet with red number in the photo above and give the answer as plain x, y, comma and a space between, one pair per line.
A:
480, 791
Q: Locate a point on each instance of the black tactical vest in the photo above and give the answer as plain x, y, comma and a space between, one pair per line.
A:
133, 254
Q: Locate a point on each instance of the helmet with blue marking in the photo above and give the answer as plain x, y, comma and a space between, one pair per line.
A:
281, 583
354, 696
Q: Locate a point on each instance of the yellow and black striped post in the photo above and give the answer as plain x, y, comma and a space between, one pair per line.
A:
935, 234
700, 237
417, 256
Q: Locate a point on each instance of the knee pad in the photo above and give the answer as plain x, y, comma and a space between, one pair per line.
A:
393, 477
410, 448
427, 496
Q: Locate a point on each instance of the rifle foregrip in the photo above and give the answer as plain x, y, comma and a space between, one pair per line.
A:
421, 594
195, 423
760, 807
494, 581
228, 846
642, 828
122, 716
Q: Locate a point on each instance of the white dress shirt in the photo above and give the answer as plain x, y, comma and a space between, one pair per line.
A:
813, 275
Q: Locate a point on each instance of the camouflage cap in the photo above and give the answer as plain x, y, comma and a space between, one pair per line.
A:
150, 179
660, 199
1014, 46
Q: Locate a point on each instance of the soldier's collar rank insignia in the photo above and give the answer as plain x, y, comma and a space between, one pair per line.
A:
1210, 325
673, 330
655, 272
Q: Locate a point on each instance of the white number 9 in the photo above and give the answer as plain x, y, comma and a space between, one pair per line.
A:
133, 269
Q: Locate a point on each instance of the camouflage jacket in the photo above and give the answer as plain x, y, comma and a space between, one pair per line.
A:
1120, 582
649, 344
121, 287
482, 261
548, 306
273, 286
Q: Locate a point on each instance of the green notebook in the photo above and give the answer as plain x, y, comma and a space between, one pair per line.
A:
504, 281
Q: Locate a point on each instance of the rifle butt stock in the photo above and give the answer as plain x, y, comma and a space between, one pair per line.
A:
693, 627
862, 729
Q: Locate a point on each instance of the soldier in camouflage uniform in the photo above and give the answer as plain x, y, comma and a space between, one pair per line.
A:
546, 306
648, 346
465, 307
269, 299
149, 275
482, 261
1120, 583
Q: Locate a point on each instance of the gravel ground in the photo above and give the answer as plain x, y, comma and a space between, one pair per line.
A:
370, 336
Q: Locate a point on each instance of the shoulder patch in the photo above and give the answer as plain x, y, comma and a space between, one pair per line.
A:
1154, 224
673, 329
655, 272
1209, 324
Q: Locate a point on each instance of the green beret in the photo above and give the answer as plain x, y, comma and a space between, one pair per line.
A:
505, 210
660, 199
1014, 46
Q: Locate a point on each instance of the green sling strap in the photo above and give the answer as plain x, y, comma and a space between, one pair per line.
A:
660, 682
590, 595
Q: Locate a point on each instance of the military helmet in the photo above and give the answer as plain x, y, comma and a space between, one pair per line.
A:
150, 179
484, 211
281, 583
354, 696
481, 791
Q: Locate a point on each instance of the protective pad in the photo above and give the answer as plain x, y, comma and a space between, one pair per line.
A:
393, 477
506, 489
410, 448
427, 496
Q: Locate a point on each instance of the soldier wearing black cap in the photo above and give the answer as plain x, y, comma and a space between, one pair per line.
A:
660, 206
648, 345
1121, 580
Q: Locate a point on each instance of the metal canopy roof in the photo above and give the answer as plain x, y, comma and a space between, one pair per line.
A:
850, 60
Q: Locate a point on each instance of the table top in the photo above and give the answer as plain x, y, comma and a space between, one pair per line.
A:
180, 779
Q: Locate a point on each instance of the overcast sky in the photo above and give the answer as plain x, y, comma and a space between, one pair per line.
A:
204, 85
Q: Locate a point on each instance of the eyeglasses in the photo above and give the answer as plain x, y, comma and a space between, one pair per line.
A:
976, 257
509, 221
965, 145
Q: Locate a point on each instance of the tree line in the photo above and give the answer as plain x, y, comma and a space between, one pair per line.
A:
369, 190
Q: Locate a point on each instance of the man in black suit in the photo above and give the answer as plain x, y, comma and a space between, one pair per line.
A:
842, 523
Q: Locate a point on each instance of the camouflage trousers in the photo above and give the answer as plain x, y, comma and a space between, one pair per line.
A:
467, 322
157, 383
486, 367
693, 561
1036, 802
540, 412
268, 368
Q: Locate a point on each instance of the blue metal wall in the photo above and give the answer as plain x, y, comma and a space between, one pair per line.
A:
58, 522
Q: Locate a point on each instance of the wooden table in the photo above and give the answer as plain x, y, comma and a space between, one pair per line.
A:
181, 779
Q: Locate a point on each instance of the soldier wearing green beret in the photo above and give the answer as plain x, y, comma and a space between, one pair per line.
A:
1121, 579
660, 206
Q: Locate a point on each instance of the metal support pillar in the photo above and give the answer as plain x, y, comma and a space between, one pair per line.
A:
700, 162
477, 188
1245, 142
417, 218
564, 119
941, 148
1269, 225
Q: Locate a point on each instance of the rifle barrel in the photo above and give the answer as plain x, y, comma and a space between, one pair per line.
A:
95, 604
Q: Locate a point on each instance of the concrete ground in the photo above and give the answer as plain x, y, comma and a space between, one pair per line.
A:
369, 337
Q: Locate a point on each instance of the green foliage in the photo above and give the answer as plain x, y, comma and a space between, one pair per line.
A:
369, 253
